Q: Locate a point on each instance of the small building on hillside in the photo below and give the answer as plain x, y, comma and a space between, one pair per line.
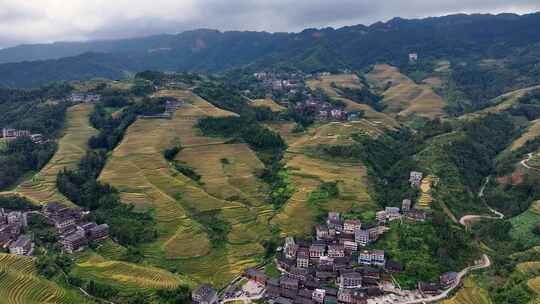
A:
290, 248
73, 242
427, 288
350, 280
406, 205
302, 258
318, 295
416, 215
351, 226
392, 213
415, 179
22, 246
256, 275
317, 250
448, 279
204, 294
336, 251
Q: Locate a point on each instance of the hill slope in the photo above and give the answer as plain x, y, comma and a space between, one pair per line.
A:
182, 207
41, 188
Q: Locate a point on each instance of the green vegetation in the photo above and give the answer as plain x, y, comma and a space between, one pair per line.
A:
259, 138
180, 295
318, 198
363, 95
187, 170
427, 249
112, 128
28, 109
16, 202
22, 156
216, 227
526, 227
171, 153
81, 187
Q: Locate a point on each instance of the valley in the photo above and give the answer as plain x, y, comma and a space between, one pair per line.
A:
217, 173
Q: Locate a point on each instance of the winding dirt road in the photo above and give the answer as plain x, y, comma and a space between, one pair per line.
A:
524, 163
467, 219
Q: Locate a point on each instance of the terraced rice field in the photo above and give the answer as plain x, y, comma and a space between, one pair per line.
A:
138, 169
402, 96
471, 293
523, 224
529, 267
379, 119
19, 284
227, 171
534, 284
41, 188
532, 132
111, 250
501, 103
306, 173
126, 275
425, 199
268, 103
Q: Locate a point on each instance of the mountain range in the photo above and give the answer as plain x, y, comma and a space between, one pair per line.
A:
452, 37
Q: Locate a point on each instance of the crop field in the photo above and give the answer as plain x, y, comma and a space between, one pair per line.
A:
269, 103
501, 103
471, 293
19, 283
529, 267
129, 276
227, 171
425, 199
532, 132
534, 284
523, 224
307, 172
111, 250
41, 188
402, 96
142, 175
351, 81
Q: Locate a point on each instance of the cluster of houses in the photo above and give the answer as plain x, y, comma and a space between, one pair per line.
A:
324, 110
12, 224
170, 107
415, 179
73, 232
84, 97
336, 267
406, 212
279, 81
10, 134
334, 258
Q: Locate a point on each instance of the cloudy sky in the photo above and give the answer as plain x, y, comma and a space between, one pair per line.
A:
34, 21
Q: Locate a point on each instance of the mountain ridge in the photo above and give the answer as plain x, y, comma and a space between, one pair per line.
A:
203, 50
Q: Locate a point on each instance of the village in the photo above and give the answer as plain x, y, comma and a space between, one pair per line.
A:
285, 86
73, 232
335, 267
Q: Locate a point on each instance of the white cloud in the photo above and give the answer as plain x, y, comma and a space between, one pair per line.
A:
53, 20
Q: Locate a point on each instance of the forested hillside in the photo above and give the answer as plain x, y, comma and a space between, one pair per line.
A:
457, 37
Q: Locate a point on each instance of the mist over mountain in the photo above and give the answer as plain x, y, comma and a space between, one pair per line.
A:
450, 37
